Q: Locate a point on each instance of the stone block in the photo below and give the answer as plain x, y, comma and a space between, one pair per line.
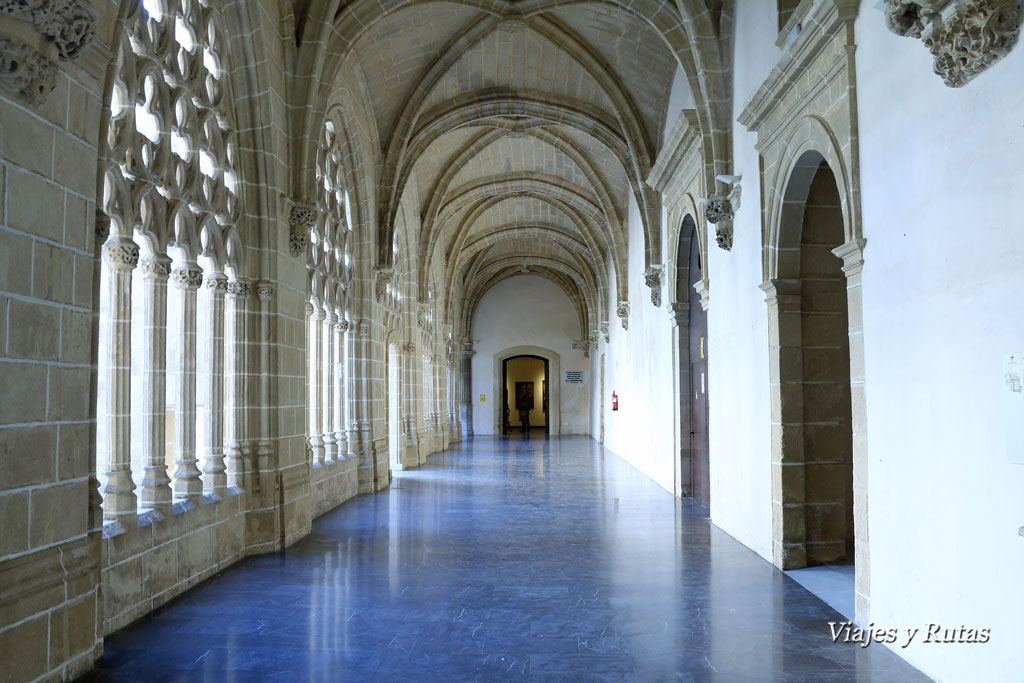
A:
33, 332
122, 587
83, 114
71, 499
52, 273
26, 141
15, 263
79, 222
76, 337
788, 483
35, 206
72, 630
826, 552
14, 513
824, 329
27, 456
70, 393
826, 401
826, 522
75, 167
829, 483
23, 650
828, 442
160, 568
85, 279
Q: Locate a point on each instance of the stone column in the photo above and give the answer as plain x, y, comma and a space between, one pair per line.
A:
264, 449
156, 484
328, 374
214, 471
316, 359
340, 388
852, 254
234, 433
466, 375
120, 256
350, 400
789, 528
187, 482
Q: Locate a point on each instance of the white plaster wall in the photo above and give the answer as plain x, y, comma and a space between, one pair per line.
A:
638, 368
527, 310
942, 171
738, 388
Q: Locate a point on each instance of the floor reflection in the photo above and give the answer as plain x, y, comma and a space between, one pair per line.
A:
529, 557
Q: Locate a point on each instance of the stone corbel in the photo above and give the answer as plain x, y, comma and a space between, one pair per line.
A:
301, 219
34, 36
720, 209
606, 332
422, 311
965, 37
622, 310
653, 278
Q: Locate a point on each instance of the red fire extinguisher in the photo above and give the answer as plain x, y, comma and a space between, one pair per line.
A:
615, 401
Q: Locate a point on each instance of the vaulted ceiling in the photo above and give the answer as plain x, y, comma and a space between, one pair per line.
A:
520, 128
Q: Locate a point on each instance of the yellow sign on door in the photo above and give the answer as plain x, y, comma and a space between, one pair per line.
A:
483, 398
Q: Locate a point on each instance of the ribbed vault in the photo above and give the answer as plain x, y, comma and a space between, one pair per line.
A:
518, 133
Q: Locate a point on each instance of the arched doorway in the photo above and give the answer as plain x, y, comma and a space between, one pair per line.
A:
812, 430
394, 403
697, 341
525, 404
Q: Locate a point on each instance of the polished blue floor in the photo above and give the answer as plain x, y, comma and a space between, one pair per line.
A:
529, 559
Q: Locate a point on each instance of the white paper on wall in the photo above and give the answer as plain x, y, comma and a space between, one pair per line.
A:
1013, 391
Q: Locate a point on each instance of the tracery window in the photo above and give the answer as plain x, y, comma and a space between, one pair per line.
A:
329, 264
170, 199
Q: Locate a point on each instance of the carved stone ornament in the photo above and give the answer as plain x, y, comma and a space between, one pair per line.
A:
964, 36
102, 225
718, 211
652, 276
384, 276
297, 243
363, 328
264, 292
343, 325
512, 23
421, 315
187, 278
238, 289
622, 310
122, 255
64, 28
156, 266
303, 214
216, 283
606, 332
594, 337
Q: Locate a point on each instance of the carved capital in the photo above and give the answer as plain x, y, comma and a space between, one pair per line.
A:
343, 325
187, 278
264, 291
121, 255
238, 289
965, 37
216, 283
606, 332
622, 310
155, 267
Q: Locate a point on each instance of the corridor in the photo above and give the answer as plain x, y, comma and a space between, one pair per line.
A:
527, 558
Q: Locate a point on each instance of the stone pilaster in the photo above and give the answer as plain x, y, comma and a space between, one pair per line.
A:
155, 491
187, 482
328, 369
466, 390
214, 470
340, 387
120, 257
235, 399
316, 359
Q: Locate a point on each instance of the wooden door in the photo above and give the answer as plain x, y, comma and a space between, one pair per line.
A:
700, 468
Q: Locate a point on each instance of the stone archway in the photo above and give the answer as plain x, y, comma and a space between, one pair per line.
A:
554, 388
810, 333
